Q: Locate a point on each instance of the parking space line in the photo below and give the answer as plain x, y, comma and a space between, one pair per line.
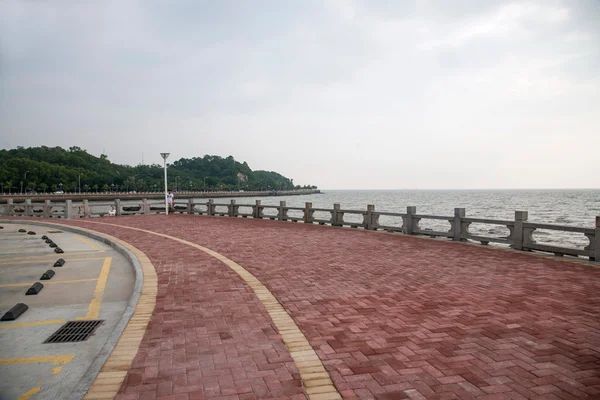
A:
49, 283
27, 395
24, 246
65, 258
94, 308
34, 323
83, 240
58, 361
34, 259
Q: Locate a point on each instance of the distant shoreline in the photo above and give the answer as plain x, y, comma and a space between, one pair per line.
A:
154, 195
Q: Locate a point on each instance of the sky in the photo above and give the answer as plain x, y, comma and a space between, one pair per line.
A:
343, 94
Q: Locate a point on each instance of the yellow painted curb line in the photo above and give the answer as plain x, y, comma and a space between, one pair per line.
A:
315, 378
113, 372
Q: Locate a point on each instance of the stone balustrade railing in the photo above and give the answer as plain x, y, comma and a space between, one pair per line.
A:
520, 230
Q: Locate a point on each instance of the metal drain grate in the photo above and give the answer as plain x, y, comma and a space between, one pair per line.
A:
74, 331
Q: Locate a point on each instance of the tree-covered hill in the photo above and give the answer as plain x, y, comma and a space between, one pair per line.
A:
45, 169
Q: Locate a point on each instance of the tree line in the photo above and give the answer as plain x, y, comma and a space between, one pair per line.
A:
50, 169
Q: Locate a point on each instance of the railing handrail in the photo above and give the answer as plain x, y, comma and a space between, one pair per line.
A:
489, 221
554, 227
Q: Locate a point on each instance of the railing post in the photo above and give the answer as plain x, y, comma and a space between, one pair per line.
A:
596, 256
520, 217
257, 210
69, 209
118, 207
190, 206
28, 208
339, 215
210, 207
86, 208
282, 211
368, 218
408, 223
145, 207
308, 213
233, 209
47, 209
374, 219
334, 213
10, 207
459, 214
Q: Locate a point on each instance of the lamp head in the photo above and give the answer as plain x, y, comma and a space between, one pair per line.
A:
165, 155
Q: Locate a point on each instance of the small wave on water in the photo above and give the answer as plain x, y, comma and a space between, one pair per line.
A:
496, 231
564, 242
563, 220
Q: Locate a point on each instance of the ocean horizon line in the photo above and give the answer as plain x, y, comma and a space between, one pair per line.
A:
453, 190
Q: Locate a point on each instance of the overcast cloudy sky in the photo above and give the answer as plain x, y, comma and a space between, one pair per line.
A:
379, 94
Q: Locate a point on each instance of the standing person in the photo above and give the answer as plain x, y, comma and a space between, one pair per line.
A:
170, 200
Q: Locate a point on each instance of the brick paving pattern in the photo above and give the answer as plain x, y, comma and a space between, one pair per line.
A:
390, 316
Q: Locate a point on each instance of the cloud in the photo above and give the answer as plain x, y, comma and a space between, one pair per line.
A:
510, 21
316, 90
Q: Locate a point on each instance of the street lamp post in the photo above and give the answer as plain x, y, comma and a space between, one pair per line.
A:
165, 156
80, 183
205, 184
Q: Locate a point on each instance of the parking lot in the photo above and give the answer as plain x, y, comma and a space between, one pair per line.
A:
94, 284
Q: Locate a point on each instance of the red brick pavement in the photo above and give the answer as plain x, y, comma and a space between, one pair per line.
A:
390, 316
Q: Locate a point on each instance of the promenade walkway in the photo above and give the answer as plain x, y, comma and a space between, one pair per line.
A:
389, 316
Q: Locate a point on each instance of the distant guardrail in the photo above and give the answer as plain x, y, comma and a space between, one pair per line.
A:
520, 230
154, 195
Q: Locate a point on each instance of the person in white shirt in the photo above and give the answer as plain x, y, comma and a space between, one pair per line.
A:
170, 199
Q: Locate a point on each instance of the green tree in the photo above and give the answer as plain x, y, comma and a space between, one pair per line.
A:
54, 165
9, 184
